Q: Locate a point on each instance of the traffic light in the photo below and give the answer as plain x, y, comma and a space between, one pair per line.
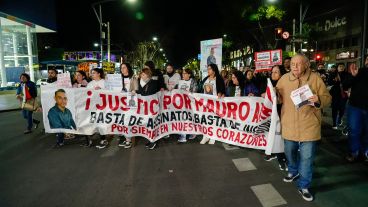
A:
278, 33
318, 57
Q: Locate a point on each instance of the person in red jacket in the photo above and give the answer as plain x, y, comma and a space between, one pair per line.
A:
26, 91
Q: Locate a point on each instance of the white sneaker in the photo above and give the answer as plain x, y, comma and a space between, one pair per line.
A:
103, 144
204, 140
212, 141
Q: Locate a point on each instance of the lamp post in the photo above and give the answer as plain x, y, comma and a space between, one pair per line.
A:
99, 18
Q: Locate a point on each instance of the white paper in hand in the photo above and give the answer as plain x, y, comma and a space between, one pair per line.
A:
301, 95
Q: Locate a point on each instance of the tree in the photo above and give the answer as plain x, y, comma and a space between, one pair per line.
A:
261, 15
193, 64
143, 52
227, 43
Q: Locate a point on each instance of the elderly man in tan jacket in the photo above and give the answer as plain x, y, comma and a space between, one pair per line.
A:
301, 127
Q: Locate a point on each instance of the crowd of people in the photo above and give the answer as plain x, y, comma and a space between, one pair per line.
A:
301, 127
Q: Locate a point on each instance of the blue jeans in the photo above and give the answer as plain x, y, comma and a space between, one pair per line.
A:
358, 130
300, 156
28, 116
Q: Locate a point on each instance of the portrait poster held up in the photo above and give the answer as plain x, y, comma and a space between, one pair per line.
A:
242, 121
211, 53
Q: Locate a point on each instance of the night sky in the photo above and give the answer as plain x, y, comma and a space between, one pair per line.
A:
179, 25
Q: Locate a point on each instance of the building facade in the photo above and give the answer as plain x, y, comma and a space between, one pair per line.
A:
337, 35
18, 48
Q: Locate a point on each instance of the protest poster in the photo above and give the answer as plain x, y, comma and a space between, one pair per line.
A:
64, 80
108, 67
113, 82
264, 60
240, 121
211, 53
184, 85
300, 96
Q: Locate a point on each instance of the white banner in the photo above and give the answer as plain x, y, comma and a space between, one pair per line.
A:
241, 121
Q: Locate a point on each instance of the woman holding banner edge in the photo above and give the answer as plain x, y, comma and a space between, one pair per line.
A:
97, 83
190, 85
146, 87
130, 84
214, 85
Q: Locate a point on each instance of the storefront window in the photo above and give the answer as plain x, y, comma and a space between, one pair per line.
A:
15, 50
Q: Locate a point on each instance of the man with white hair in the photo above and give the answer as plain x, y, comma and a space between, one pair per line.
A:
301, 126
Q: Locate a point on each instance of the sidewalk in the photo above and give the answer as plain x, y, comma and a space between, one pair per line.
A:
8, 102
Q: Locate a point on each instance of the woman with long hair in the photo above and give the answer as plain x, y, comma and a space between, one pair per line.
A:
277, 72
80, 79
146, 87
187, 84
27, 91
251, 88
214, 85
98, 83
236, 85
157, 76
130, 84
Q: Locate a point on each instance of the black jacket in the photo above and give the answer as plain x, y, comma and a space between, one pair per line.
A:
359, 85
158, 78
220, 85
149, 89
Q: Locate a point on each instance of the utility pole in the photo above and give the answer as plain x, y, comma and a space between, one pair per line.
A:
301, 19
108, 42
102, 36
294, 21
300, 23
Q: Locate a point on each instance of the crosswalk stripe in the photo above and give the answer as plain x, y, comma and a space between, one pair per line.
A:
268, 195
228, 147
244, 164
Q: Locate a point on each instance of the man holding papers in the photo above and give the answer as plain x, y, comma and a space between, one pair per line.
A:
303, 94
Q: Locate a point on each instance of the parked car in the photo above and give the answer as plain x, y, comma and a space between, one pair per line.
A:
41, 81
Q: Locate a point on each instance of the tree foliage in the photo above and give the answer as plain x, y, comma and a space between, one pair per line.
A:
261, 15
143, 52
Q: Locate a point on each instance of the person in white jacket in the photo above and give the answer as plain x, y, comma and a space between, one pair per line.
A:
98, 83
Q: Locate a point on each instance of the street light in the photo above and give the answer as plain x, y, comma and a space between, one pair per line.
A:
96, 44
225, 35
99, 19
161, 49
155, 39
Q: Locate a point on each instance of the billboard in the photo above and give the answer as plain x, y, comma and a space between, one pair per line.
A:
211, 53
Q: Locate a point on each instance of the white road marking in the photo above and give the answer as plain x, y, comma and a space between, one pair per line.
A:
268, 195
244, 164
228, 147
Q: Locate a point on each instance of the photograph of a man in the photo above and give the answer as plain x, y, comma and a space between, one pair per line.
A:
211, 58
59, 116
131, 102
